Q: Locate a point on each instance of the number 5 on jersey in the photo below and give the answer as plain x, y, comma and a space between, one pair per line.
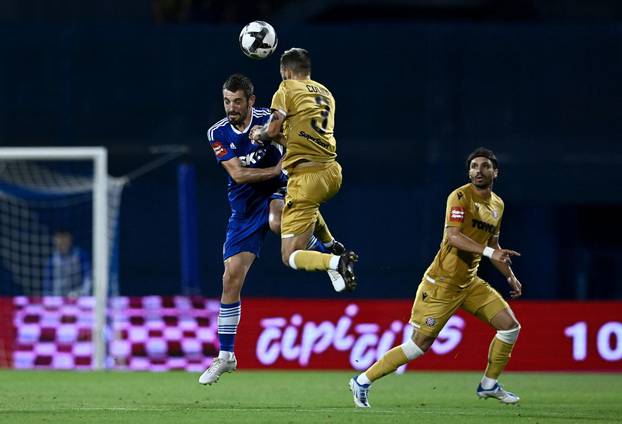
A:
322, 103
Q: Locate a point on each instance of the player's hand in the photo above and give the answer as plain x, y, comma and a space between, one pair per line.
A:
516, 288
504, 255
277, 168
254, 135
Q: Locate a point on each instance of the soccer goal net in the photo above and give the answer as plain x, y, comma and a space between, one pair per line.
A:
59, 214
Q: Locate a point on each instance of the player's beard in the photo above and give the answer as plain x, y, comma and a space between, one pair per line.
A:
237, 119
483, 183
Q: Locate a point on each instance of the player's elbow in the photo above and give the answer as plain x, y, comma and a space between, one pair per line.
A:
273, 133
453, 241
452, 236
239, 177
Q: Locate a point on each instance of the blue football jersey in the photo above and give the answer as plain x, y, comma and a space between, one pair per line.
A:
228, 142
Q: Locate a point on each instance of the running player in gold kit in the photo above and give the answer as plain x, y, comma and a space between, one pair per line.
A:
472, 223
305, 111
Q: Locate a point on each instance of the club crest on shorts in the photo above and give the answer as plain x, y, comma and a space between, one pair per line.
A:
430, 322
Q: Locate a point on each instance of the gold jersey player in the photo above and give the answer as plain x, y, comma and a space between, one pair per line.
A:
305, 111
472, 223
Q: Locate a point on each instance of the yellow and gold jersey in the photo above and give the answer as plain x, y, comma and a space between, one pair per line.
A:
479, 219
309, 110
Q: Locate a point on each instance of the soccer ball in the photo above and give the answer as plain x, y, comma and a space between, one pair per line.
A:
258, 40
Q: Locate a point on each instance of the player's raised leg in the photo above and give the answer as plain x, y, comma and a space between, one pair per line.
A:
295, 255
236, 268
324, 236
307, 189
320, 241
499, 354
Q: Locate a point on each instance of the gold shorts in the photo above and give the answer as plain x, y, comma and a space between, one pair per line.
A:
435, 303
307, 188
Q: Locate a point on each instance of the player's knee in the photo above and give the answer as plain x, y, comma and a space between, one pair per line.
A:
510, 335
422, 341
232, 280
285, 257
412, 350
275, 224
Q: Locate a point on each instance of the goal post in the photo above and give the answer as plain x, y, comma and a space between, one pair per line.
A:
100, 237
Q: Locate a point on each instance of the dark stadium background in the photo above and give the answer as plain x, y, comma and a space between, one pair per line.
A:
418, 85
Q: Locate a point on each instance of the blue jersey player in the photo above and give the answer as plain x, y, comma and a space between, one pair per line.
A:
255, 190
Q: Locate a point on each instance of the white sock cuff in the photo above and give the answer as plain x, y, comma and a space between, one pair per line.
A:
224, 354
411, 350
508, 336
329, 244
363, 379
334, 262
488, 383
292, 263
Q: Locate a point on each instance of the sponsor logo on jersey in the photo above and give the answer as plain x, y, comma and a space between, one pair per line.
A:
495, 214
480, 225
219, 149
456, 214
253, 158
314, 139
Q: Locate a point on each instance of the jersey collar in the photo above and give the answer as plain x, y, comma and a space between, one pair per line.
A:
478, 196
235, 130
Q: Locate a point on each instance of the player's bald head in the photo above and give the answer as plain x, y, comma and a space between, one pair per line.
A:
297, 60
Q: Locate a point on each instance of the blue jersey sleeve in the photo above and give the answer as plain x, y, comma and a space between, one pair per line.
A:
222, 151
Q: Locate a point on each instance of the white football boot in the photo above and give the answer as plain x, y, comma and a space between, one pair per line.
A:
360, 393
339, 283
219, 367
497, 392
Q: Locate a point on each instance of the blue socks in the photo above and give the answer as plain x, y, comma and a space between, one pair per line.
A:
228, 320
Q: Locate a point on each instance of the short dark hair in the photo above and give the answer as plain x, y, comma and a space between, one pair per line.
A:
484, 153
297, 60
239, 82
62, 230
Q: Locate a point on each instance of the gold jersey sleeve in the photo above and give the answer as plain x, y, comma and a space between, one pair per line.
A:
309, 110
477, 218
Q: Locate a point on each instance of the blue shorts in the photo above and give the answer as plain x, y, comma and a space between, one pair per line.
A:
248, 233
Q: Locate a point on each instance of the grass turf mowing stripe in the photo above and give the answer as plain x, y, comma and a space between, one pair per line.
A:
301, 396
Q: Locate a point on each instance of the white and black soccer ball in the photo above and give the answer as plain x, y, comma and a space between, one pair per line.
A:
258, 40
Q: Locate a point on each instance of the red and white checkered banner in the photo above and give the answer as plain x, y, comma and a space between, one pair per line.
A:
144, 333
161, 333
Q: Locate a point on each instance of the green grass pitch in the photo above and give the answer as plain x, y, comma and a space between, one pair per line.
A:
301, 397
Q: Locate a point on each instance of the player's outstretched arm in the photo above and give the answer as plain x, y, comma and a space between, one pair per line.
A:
458, 240
242, 175
270, 131
280, 138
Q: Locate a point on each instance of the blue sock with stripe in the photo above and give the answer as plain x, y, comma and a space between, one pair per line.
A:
315, 244
228, 320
